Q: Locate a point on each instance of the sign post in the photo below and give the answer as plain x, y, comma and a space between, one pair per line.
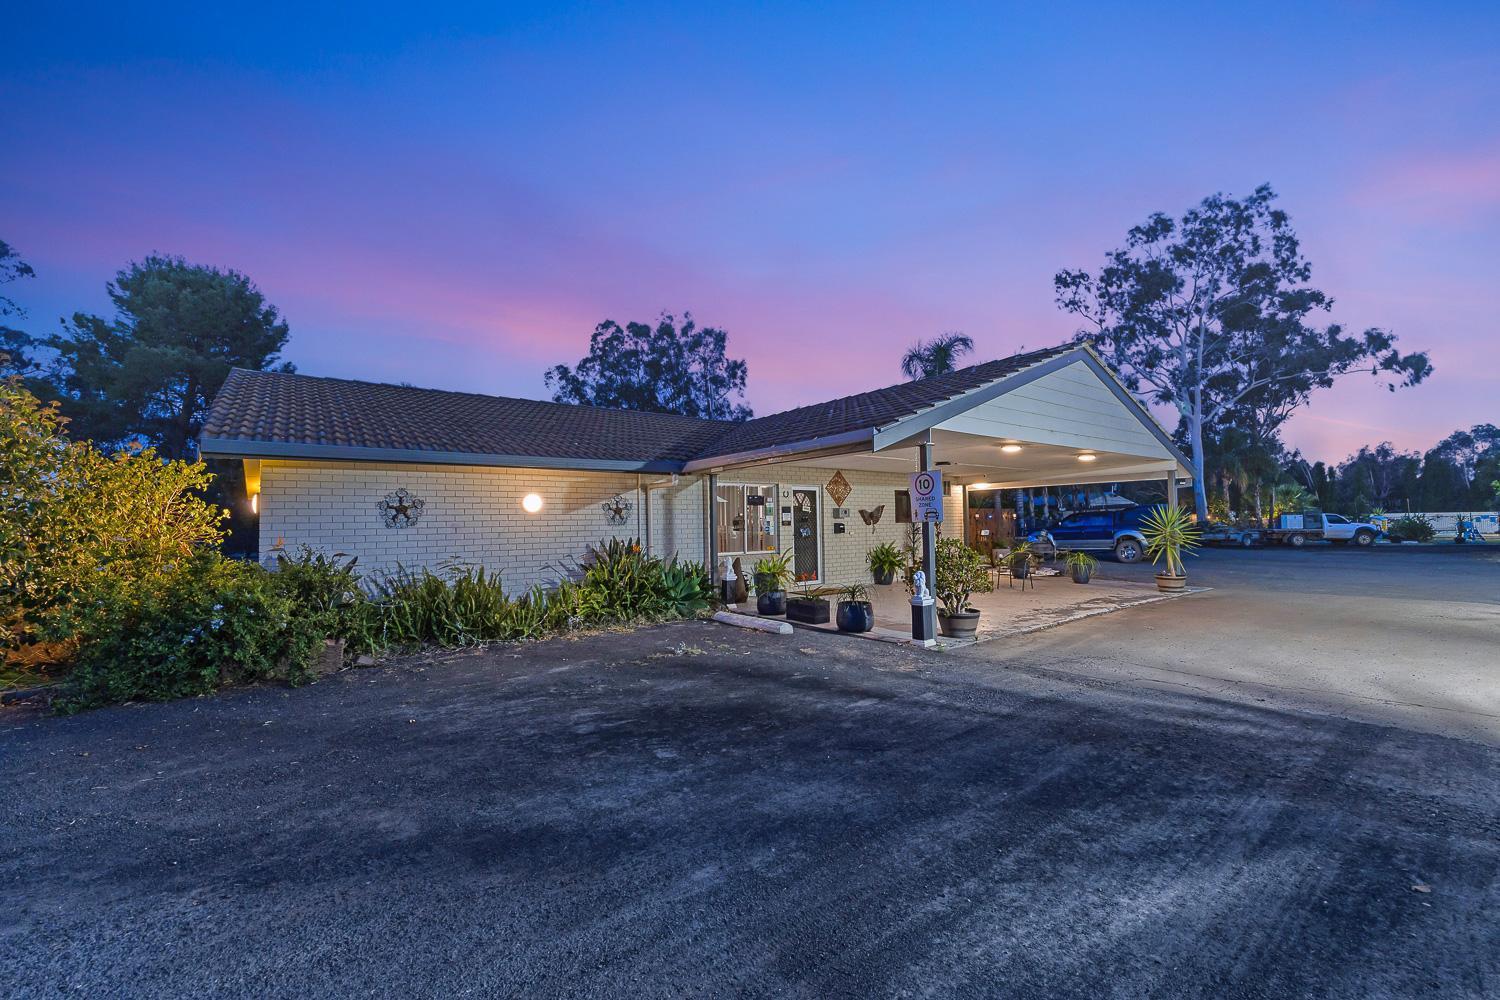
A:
927, 510
927, 496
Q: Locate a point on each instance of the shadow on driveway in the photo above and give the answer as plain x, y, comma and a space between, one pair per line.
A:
693, 810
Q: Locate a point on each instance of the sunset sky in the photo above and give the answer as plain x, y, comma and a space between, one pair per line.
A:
455, 201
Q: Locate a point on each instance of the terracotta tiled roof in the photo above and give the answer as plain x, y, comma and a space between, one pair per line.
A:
275, 413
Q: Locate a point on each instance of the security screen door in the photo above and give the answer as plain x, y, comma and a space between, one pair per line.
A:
805, 541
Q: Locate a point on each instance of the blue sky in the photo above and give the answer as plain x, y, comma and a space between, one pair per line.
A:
455, 197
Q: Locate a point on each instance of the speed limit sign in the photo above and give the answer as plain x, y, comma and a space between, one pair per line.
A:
927, 496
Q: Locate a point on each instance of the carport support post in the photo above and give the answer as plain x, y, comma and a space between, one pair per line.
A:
1172, 489
924, 615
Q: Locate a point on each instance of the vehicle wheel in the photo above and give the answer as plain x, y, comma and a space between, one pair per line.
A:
1128, 550
1247, 541
1364, 539
1296, 541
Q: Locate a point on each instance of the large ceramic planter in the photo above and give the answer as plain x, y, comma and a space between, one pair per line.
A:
770, 602
1169, 583
884, 579
1082, 574
856, 616
1021, 569
960, 626
808, 612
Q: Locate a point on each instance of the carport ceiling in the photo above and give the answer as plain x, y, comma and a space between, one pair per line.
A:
975, 459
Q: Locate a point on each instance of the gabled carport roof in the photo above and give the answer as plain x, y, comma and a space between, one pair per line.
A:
896, 415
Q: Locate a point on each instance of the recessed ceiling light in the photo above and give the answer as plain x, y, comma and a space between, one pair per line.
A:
1085, 457
1010, 449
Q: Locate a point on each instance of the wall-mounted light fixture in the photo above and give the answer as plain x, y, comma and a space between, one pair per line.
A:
255, 503
531, 503
1010, 449
1088, 457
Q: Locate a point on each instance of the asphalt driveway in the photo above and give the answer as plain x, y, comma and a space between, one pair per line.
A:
696, 811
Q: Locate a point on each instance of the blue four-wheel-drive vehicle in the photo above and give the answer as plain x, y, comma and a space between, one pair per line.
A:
1116, 531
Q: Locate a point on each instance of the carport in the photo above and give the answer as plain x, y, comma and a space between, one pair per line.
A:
1055, 418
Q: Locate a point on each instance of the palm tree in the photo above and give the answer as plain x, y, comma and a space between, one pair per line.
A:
936, 356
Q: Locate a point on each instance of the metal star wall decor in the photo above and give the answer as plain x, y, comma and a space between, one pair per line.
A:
618, 508
400, 509
838, 487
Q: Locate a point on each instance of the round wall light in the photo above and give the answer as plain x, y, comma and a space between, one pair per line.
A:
1086, 457
1010, 449
531, 503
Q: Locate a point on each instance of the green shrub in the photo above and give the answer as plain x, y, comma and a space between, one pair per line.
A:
628, 582
1411, 528
213, 621
687, 588
960, 572
73, 518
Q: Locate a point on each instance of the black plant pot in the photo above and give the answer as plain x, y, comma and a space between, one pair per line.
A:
770, 602
856, 616
1021, 569
1081, 574
885, 577
808, 612
960, 626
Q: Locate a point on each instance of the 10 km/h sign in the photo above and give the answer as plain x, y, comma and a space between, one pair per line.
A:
927, 496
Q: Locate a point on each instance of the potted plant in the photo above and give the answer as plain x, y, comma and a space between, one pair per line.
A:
856, 613
884, 559
1081, 565
771, 574
960, 573
808, 607
1169, 533
1021, 560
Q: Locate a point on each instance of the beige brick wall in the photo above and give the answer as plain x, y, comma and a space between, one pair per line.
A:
472, 515
844, 555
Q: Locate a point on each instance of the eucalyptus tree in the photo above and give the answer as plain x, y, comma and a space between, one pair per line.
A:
665, 367
1212, 315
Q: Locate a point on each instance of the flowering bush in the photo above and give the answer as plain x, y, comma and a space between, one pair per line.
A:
73, 518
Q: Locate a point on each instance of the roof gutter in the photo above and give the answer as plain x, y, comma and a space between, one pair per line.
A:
243, 448
780, 452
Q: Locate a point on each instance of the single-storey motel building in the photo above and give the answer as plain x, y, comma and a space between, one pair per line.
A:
404, 477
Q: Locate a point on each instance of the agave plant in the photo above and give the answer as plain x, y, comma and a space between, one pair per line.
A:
1170, 532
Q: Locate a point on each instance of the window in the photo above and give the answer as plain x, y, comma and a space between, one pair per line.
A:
1336, 519
903, 506
747, 519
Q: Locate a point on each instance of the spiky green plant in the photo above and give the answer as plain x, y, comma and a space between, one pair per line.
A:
1170, 532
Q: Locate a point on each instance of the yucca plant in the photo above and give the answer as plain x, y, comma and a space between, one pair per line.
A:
1169, 532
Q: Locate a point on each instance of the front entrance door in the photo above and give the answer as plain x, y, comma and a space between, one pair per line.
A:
806, 543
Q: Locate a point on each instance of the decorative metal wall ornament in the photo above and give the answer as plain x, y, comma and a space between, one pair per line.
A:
618, 508
400, 509
838, 487
872, 517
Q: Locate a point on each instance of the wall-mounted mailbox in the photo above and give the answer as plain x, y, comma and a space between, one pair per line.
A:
839, 527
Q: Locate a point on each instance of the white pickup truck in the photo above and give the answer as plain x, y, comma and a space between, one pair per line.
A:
1297, 530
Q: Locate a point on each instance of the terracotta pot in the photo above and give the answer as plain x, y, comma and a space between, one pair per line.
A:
1167, 582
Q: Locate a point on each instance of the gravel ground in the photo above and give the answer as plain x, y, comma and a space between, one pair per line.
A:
693, 810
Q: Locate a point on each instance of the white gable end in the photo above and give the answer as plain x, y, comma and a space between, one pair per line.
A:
1071, 407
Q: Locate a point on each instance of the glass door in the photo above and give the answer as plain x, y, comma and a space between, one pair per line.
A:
807, 554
